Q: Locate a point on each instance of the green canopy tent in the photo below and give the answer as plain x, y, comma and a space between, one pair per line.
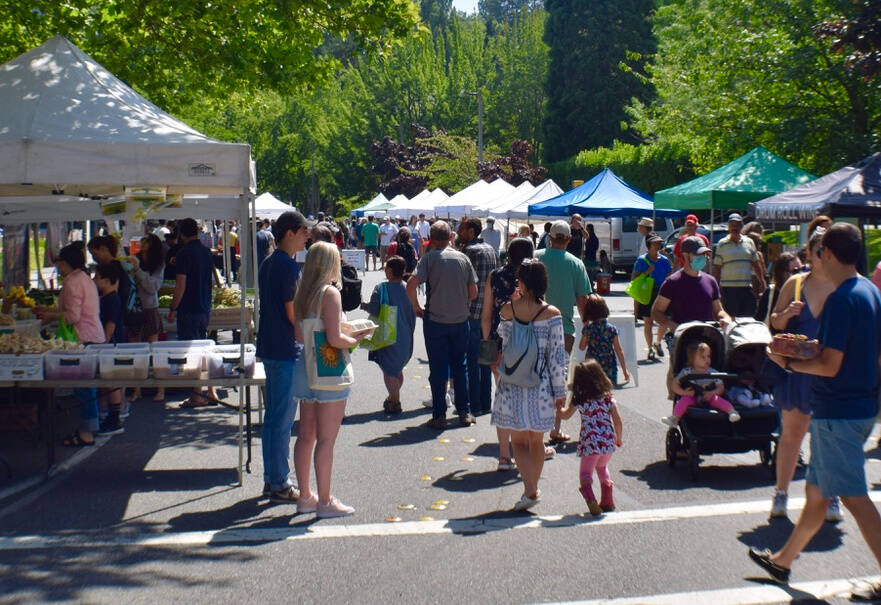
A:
753, 176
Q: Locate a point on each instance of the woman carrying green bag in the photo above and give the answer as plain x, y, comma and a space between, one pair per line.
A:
657, 266
392, 358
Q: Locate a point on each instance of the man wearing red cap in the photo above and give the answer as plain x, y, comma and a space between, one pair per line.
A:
690, 229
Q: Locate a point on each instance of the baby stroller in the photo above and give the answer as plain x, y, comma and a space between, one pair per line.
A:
705, 431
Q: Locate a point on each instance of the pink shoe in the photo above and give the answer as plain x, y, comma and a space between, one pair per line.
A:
607, 503
334, 508
587, 493
307, 505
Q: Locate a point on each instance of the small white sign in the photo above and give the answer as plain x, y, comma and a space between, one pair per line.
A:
300, 257
356, 258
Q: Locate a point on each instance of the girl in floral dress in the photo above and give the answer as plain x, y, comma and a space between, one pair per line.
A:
600, 431
600, 339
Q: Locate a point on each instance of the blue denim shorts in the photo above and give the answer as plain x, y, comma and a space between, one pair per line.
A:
302, 390
838, 462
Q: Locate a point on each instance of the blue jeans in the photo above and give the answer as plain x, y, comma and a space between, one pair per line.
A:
446, 345
479, 377
278, 421
88, 399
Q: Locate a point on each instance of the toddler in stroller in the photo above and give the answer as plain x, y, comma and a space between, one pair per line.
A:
702, 387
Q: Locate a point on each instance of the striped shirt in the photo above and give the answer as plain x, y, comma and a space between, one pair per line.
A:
736, 261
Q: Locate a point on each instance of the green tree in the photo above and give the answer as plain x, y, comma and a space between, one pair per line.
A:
596, 50
177, 52
732, 74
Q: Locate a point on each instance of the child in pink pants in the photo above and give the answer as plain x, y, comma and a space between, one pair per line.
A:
699, 360
600, 431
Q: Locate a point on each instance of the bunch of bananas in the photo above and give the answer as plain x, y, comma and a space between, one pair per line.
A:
18, 296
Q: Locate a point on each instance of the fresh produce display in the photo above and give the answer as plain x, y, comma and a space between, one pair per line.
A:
18, 344
43, 298
796, 346
18, 296
227, 297
6, 320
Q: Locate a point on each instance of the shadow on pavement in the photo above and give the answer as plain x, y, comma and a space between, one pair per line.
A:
410, 435
658, 475
379, 415
59, 575
462, 481
773, 534
799, 597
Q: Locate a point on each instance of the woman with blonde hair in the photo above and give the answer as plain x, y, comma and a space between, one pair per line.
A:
321, 412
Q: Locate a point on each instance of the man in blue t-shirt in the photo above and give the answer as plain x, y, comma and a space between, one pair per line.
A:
844, 403
278, 350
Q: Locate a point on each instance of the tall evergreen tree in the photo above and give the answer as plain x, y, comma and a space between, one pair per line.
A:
596, 46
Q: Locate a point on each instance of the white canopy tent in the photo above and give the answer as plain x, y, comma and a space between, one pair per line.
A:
268, 206
521, 192
520, 210
472, 197
73, 137
422, 204
376, 202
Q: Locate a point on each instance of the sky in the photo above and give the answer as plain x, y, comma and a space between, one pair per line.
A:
466, 6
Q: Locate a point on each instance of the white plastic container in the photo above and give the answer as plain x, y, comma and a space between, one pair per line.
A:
178, 362
21, 367
136, 347
70, 365
123, 365
184, 344
224, 361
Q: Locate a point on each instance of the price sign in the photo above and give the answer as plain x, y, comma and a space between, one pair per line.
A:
356, 258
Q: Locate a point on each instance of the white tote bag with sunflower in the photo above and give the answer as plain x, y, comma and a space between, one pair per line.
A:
327, 368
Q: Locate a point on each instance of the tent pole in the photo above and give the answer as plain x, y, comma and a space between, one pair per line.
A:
252, 248
225, 252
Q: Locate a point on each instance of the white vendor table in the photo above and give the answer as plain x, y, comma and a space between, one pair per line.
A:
243, 408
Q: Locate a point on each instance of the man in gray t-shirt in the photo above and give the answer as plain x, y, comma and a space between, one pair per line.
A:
452, 284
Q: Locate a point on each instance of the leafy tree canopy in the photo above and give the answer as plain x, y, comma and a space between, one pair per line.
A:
177, 52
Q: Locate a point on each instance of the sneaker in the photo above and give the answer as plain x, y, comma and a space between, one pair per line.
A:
334, 508
286, 495
126, 410
733, 417
451, 398
671, 421
109, 427
306, 506
438, 424
833, 513
525, 503
762, 558
778, 506
870, 593
659, 350
651, 355
467, 420
549, 452
428, 404
266, 489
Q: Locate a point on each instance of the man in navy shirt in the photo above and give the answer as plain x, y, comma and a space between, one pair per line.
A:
278, 350
191, 305
844, 403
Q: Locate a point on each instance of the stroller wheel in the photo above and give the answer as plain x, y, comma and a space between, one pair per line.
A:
693, 460
673, 445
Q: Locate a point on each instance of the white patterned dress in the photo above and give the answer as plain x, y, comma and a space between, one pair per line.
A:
532, 409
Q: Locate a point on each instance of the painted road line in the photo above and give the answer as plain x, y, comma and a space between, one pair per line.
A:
372, 530
748, 595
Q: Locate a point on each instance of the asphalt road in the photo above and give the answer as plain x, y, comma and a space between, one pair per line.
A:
152, 516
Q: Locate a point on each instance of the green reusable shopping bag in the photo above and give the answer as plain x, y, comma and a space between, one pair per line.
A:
640, 289
387, 320
65, 331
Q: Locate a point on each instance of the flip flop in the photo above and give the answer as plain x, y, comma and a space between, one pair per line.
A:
192, 402
74, 440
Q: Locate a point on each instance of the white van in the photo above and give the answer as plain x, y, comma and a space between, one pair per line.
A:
622, 243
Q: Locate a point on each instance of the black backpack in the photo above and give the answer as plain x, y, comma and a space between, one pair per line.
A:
351, 288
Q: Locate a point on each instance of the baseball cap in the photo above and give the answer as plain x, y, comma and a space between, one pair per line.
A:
691, 219
646, 222
651, 238
694, 245
560, 229
734, 217
490, 219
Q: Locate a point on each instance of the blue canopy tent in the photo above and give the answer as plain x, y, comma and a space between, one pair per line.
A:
605, 195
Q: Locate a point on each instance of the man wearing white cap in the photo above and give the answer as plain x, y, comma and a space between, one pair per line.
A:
735, 262
492, 236
644, 227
